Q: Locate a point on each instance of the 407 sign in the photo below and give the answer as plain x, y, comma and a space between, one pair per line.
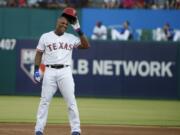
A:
7, 44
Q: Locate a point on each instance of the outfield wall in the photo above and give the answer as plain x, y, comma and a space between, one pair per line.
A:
107, 69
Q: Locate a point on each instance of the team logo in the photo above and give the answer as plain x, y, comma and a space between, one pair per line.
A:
27, 62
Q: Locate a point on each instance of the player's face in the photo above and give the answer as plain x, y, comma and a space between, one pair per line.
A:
61, 25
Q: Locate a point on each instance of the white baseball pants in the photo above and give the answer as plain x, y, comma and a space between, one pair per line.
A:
52, 80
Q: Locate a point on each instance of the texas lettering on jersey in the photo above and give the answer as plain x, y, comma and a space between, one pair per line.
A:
60, 45
57, 49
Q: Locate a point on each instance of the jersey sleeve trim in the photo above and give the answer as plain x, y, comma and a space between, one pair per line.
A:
39, 50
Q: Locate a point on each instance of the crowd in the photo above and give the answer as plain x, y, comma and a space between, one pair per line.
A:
127, 4
141, 4
52, 4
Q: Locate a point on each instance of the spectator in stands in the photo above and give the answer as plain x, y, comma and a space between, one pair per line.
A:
48, 3
99, 32
78, 3
139, 3
11, 3
110, 4
53, 4
122, 33
128, 4
175, 4
164, 34
131, 3
21, 3
148, 4
168, 31
161, 3
3, 3
42, 3
56, 4
61, 3
32, 3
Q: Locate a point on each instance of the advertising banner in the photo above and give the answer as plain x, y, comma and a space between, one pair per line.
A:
111, 69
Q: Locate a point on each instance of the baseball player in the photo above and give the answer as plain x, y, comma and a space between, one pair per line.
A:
56, 47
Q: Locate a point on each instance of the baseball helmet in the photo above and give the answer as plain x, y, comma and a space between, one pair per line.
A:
70, 13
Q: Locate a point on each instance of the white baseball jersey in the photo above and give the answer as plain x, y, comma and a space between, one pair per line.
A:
57, 49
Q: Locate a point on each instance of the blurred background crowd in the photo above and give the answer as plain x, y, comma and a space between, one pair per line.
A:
127, 4
124, 29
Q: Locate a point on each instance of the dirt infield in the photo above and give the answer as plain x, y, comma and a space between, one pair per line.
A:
27, 129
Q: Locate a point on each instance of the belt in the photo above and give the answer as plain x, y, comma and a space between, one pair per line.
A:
57, 66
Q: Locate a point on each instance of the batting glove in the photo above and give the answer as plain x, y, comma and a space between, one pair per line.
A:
37, 76
76, 27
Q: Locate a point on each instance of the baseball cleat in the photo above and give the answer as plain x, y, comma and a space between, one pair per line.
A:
39, 133
75, 133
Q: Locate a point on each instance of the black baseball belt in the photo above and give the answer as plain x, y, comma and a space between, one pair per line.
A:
58, 66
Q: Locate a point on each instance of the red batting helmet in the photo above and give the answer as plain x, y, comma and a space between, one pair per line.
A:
70, 12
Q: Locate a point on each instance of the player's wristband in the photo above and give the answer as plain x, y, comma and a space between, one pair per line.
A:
79, 32
36, 67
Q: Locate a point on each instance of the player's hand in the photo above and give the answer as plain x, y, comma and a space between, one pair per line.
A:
37, 76
76, 25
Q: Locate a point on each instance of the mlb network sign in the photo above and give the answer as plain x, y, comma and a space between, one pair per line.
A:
122, 67
94, 67
106, 67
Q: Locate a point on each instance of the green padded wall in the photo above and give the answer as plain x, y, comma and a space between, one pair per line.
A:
25, 23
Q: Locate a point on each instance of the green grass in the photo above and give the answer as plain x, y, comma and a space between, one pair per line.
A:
94, 111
